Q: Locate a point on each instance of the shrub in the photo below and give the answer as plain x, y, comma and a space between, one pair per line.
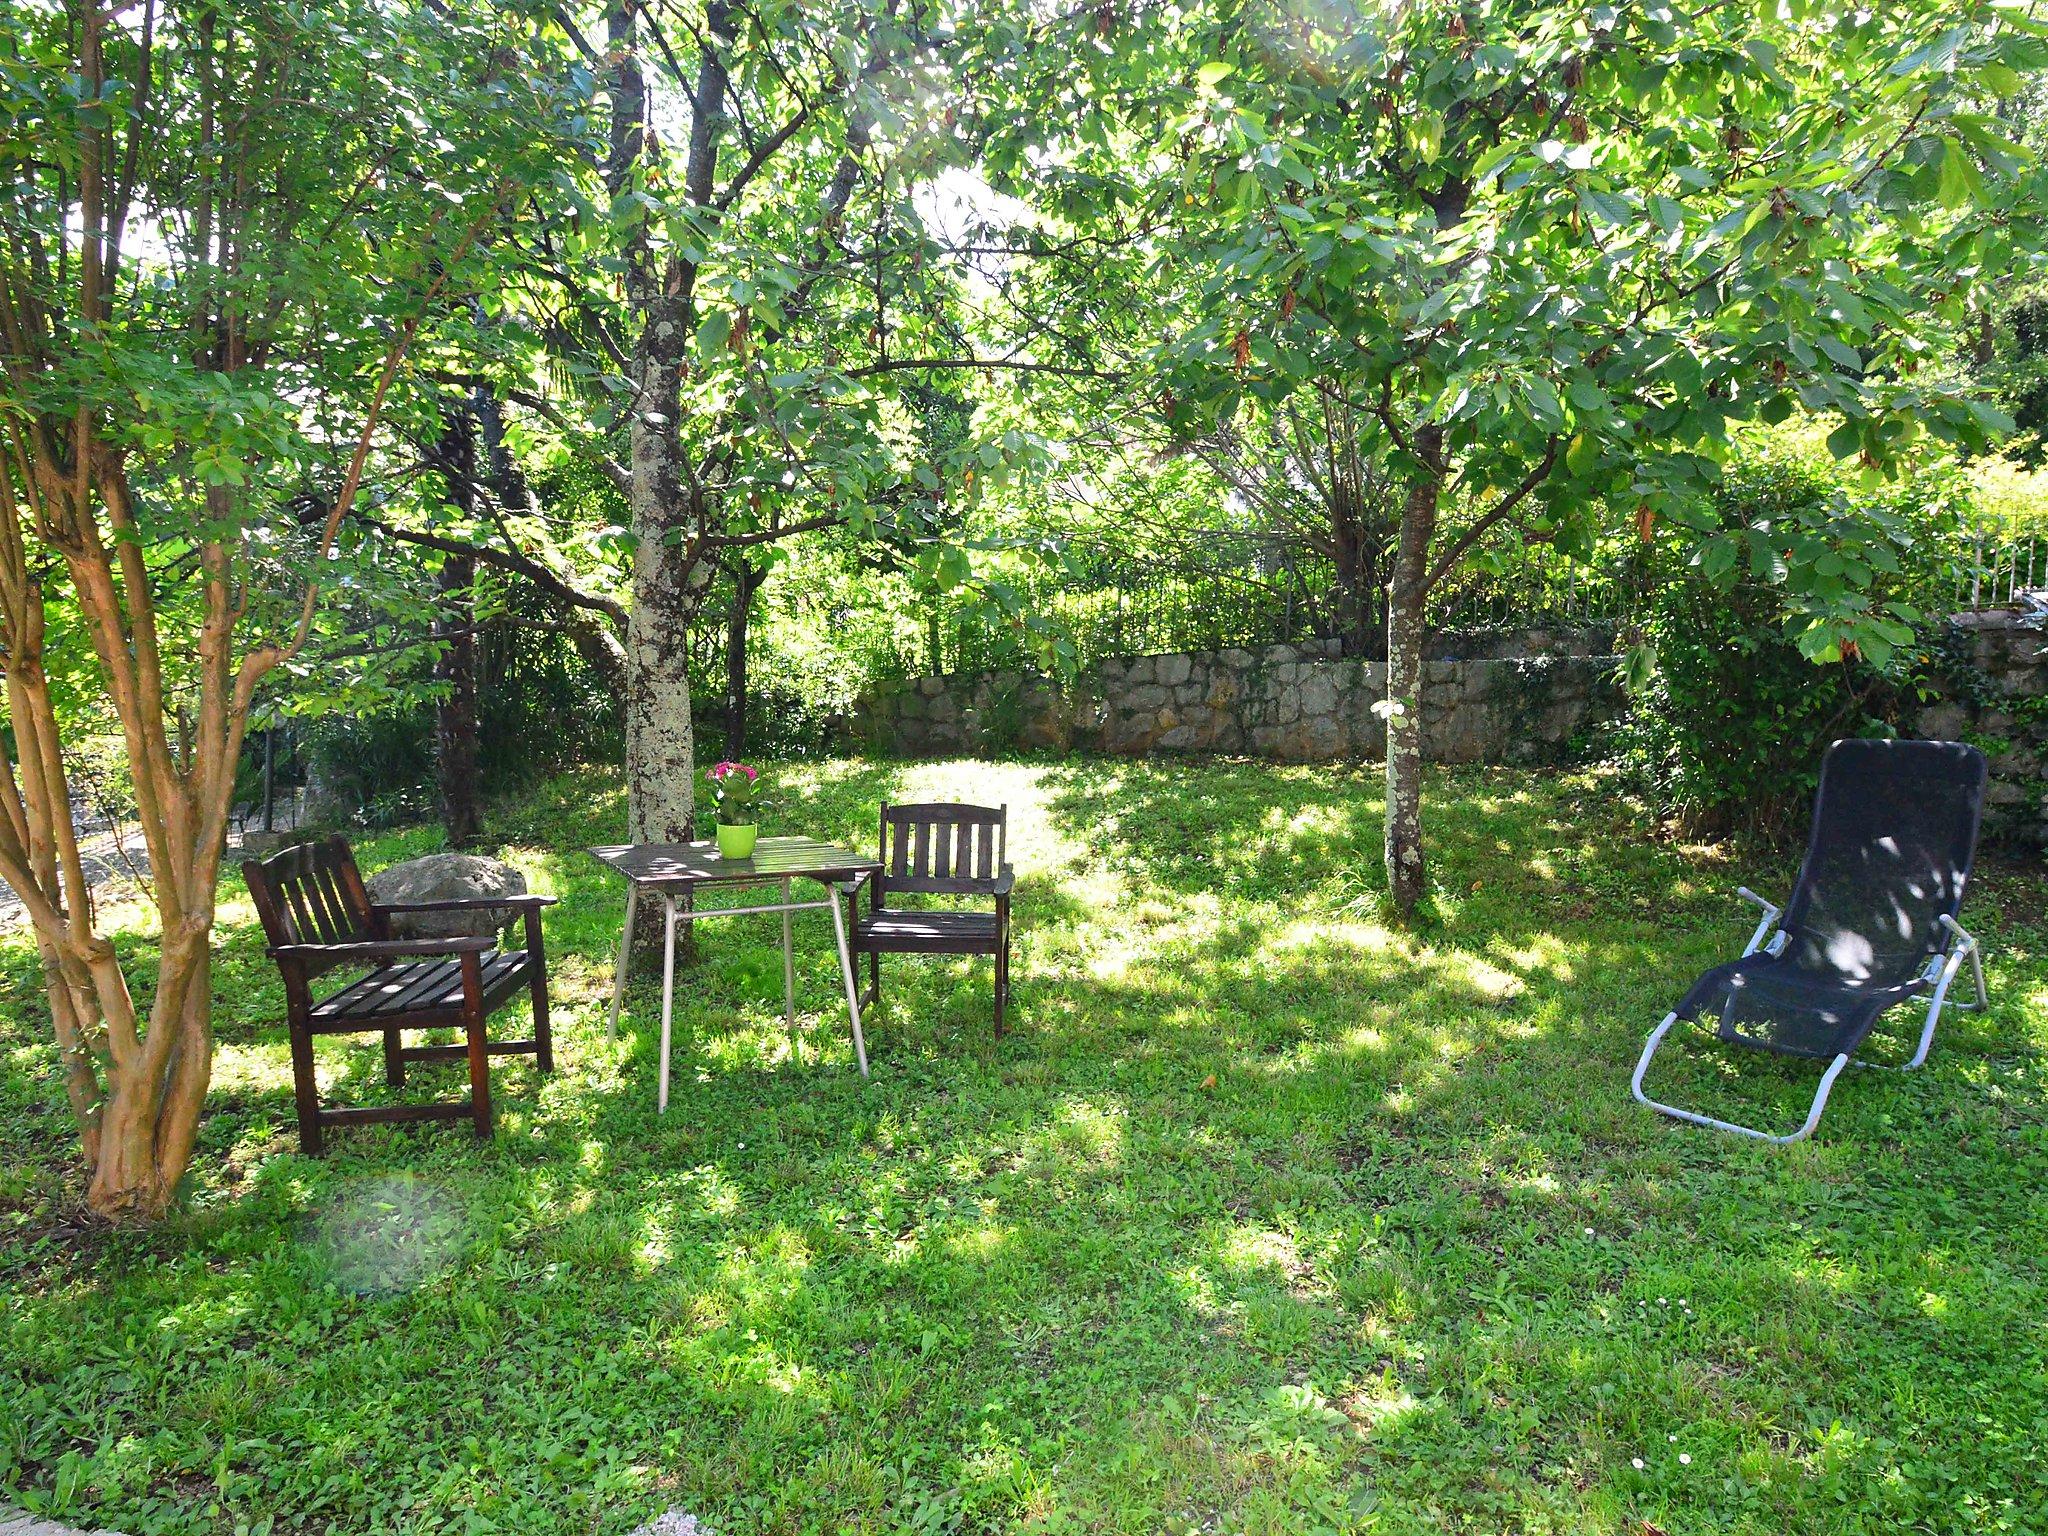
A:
1730, 719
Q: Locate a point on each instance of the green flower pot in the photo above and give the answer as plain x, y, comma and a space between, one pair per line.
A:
736, 842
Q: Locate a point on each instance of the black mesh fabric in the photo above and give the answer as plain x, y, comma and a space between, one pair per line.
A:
1894, 833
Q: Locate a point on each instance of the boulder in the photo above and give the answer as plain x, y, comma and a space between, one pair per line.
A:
446, 877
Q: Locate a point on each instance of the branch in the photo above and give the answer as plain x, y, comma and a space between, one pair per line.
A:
1016, 364
769, 535
549, 581
1492, 518
620, 477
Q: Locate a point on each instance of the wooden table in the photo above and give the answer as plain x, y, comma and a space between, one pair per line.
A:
672, 870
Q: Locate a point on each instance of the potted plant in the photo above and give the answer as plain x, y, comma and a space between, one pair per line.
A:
736, 794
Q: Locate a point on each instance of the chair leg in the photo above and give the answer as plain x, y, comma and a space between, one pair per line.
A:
1820, 1097
305, 1091
474, 1038
537, 983
394, 1059
874, 976
1002, 986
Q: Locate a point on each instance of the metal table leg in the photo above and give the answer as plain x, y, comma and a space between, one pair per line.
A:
611, 1023
860, 1045
668, 996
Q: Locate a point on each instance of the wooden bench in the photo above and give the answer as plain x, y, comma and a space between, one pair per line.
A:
942, 849
319, 917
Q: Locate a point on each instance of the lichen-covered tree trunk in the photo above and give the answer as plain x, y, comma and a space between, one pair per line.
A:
1407, 873
661, 749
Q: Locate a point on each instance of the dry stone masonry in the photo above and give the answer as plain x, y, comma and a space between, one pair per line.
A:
1529, 697
1993, 668
1521, 698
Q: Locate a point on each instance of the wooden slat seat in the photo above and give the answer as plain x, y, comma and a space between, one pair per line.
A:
892, 932
419, 986
319, 918
941, 849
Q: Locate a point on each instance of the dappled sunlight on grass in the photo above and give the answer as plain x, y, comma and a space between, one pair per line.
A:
1267, 1216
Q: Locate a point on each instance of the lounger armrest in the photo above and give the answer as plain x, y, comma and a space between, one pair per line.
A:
1761, 938
384, 949
465, 903
1958, 935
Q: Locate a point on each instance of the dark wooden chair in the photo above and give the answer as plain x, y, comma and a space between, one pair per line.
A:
319, 917
943, 850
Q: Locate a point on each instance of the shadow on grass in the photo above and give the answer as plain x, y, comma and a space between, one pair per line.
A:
1267, 1216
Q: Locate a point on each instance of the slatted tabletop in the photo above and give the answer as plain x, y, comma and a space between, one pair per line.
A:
692, 865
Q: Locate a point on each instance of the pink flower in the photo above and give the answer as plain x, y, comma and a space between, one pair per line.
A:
722, 770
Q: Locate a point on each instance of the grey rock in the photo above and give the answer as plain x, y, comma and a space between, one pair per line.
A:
1318, 693
674, 1522
446, 877
1943, 722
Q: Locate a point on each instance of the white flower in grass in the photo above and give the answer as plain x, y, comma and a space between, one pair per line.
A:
1636, 1462
1684, 1460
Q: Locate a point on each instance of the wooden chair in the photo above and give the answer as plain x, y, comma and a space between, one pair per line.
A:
946, 850
319, 917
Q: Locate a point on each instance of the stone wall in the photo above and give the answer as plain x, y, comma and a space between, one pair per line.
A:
1493, 699
1994, 668
1517, 698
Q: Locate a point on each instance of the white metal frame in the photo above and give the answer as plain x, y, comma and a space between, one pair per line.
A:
695, 913
1941, 970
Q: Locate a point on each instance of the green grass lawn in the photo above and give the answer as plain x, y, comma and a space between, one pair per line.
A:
1264, 1218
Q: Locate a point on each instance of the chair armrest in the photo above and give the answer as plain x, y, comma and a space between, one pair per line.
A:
383, 949
1748, 895
1006, 881
464, 904
852, 887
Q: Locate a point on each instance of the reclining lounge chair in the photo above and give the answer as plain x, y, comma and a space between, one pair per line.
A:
1871, 921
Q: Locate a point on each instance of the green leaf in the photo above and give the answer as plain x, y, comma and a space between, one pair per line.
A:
1960, 185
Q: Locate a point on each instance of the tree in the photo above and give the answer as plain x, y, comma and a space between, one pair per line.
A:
765, 277
1550, 255
224, 226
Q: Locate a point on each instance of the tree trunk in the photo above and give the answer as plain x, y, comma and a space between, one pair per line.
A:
456, 748
455, 716
746, 582
1407, 873
668, 576
661, 762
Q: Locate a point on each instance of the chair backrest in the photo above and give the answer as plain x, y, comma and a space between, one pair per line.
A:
1894, 835
311, 893
946, 849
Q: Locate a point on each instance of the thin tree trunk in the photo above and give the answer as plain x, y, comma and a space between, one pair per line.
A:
746, 582
1407, 873
456, 749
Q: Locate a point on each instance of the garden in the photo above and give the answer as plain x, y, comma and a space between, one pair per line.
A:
935, 767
